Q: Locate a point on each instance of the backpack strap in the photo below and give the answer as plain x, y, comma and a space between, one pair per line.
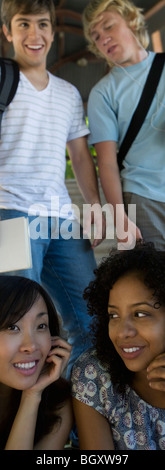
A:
9, 82
143, 106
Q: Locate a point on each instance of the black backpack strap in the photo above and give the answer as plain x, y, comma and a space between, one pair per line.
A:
9, 82
143, 106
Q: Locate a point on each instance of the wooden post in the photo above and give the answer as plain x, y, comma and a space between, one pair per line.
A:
157, 42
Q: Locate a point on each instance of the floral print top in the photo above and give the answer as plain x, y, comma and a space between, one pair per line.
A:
135, 424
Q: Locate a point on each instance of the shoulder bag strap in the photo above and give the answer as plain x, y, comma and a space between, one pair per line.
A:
9, 82
143, 106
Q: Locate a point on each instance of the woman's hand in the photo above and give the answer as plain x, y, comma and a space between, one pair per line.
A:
59, 355
22, 432
56, 362
156, 373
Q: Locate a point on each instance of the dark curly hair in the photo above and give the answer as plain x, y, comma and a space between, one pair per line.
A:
145, 259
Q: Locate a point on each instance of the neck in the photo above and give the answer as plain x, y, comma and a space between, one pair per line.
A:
37, 75
142, 54
139, 56
39, 80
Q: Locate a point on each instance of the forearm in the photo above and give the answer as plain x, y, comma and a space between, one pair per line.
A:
87, 181
84, 170
59, 434
22, 433
111, 184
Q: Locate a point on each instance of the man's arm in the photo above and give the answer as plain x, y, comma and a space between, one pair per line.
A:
85, 172
111, 184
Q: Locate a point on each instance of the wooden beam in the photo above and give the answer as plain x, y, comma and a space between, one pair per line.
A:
84, 53
155, 9
62, 2
71, 58
65, 13
69, 29
157, 42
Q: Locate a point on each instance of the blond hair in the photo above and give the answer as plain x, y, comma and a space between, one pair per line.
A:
129, 12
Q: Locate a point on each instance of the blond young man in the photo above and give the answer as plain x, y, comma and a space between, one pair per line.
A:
115, 30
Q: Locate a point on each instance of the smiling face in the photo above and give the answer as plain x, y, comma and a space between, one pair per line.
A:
115, 40
24, 347
136, 327
32, 37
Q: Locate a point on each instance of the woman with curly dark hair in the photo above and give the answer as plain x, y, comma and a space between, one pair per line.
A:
35, 405
118, 386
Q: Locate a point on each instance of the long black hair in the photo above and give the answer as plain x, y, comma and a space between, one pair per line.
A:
17, 295
145, 259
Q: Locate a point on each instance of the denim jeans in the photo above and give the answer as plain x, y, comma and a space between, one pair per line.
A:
64, 267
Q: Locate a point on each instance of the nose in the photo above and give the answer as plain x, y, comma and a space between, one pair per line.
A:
33, 31
106, 39
103, 39
28, 343
126, 329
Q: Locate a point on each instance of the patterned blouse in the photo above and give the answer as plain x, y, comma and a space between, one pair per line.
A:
135, 424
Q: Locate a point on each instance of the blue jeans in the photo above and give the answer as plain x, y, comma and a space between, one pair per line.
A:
64, 267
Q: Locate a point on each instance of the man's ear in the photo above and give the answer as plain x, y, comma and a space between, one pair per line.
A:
6, 33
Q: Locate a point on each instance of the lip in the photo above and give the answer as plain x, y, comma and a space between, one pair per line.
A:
111, 50
131, 351
26, 368
34, 48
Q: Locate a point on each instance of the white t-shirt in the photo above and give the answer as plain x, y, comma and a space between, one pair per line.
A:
35, 129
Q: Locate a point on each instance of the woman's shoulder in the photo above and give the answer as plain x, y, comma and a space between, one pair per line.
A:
92, 385
88, 359
89, 372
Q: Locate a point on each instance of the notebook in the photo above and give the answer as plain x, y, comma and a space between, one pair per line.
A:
15, 247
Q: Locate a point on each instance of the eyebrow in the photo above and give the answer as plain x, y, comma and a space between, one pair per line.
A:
42, 314
24, 18
94, 30
138, 304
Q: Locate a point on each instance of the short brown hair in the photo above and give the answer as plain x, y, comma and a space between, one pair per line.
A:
10, 8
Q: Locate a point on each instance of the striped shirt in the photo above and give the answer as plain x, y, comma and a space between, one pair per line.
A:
35, 129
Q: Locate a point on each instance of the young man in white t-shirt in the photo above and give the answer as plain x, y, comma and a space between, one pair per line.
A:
45, 115
115, 30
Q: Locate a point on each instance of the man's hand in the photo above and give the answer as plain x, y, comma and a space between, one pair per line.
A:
127, 232
92, 215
